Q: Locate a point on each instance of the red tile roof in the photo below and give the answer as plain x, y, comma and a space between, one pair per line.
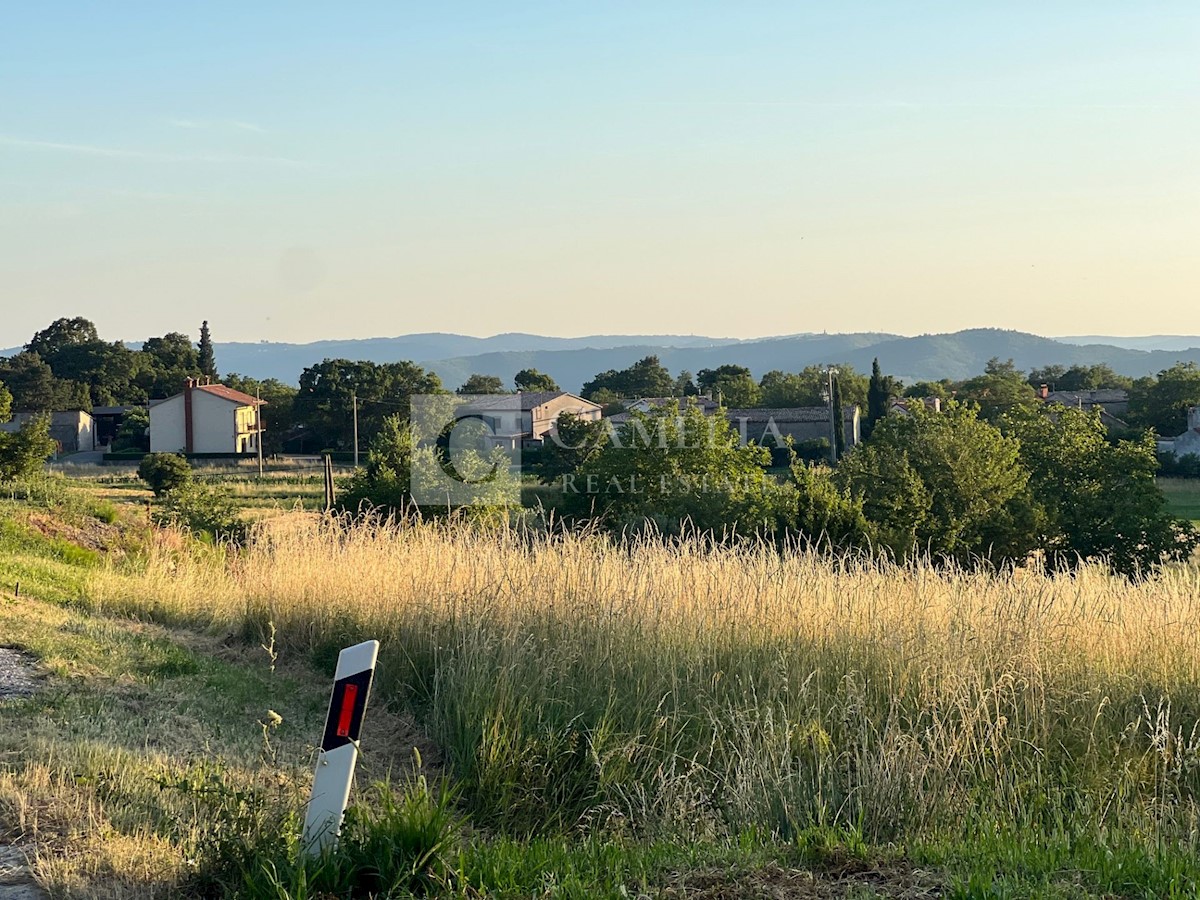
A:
228, 393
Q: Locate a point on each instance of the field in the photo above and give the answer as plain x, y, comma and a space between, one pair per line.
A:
1183, 497
666, 720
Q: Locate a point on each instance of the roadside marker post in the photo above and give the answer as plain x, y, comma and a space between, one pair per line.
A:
339, 746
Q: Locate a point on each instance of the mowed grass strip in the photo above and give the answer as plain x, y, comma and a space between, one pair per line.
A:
1183, 497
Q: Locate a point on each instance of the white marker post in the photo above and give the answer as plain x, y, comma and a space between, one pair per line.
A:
339, 746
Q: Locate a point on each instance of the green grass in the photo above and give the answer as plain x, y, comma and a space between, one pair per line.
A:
1183, 497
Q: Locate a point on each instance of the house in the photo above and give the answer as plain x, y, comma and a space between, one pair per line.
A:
1113, 401
902, 406
800, 423
73, 431
206, 418
1188, 442
525, 418
764, 426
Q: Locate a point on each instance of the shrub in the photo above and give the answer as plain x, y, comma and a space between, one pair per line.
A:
202, 510
23, 452
164, 472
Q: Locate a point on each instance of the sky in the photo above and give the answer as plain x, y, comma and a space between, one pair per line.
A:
297, 171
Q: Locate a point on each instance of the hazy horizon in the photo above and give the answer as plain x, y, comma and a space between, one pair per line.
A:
292, 171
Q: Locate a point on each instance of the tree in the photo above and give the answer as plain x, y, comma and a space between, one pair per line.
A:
35, 388
573, 442
385, 481
23, 452
810, 387
134, 431
972, 499
164, 472
645, 378
5, 403
730, 385
207, 358
684, 385
170, 360
1099, 499
1161, 404
62, 333
880, 393
919, 390
671, 470
531, 380
482, 384
109, 372
1078, 378
825, 516
999, 389
839, 420
323, 404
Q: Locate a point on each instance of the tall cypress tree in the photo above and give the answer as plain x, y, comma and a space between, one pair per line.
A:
879, 393
839, 420
208, 360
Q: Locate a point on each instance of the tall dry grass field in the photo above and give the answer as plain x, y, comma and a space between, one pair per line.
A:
691, 690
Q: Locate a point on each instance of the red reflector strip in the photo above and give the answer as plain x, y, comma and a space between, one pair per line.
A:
346, 713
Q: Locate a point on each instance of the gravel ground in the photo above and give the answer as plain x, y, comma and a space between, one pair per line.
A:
16, 674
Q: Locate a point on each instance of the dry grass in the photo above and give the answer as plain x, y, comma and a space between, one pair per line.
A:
701, 691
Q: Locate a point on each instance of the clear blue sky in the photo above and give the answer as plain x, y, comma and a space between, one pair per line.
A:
296, 171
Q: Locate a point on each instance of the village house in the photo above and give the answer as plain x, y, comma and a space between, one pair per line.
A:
765, 426
800, 423
206, 418
73, 431
525, 418
1187, 443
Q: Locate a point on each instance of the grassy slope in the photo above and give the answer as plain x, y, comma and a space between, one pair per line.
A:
102, 769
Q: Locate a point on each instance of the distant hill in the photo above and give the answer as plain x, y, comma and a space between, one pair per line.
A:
573, 361
1149, 342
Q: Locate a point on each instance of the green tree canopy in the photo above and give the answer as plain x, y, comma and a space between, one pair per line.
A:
1161, 403
669, 470
730, 385
5, 403
531, 380
645, 378
880, 392
323, 403
62, 333
1000, 388
482, 384
23, 452
1099, 498
205, 354
810, 387
34, 386
950, 480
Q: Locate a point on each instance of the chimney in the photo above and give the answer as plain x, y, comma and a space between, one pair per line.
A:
1044, 391
188, 430
1194, 417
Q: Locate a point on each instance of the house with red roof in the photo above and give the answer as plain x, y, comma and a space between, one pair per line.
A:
206, 418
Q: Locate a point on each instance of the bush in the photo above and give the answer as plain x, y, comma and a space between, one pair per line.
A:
164, 472
203, 511
23, 452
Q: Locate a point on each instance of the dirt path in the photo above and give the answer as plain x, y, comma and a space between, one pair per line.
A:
16, 881
17, 680
17, 677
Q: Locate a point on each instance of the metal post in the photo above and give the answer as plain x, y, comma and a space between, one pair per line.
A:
354, 399
832, 425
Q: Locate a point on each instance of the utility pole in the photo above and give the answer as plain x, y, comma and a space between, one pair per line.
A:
832, 425
258, 425
354, 400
